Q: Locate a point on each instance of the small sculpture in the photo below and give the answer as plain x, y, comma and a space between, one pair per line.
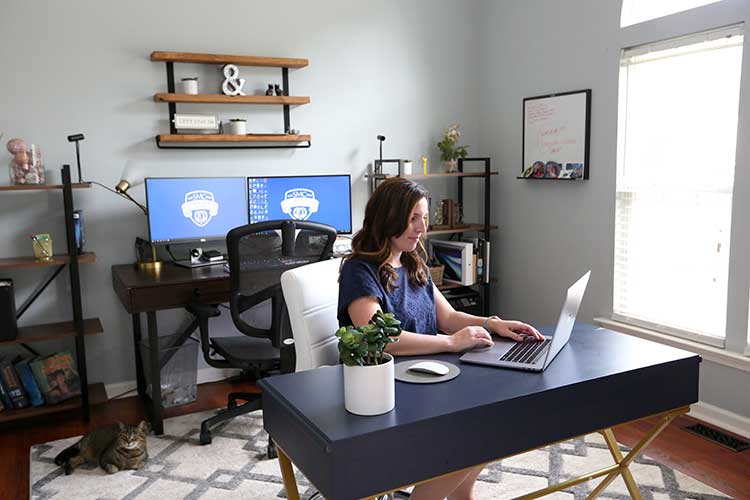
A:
277, 89
269, 90
232, 84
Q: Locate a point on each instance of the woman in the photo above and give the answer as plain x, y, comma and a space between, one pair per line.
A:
387, 271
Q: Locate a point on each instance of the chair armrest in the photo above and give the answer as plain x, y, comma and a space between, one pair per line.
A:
288, 356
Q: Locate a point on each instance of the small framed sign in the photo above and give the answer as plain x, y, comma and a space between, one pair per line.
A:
556, 132
196, 122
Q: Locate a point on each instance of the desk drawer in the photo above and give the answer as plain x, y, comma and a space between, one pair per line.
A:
173, 296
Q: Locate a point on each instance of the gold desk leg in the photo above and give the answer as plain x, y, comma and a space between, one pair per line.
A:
624, 463
627, 476
287, 474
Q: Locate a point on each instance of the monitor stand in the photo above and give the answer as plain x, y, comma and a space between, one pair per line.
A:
191, 265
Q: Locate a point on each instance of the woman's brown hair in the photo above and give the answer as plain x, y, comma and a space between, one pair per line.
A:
387, 216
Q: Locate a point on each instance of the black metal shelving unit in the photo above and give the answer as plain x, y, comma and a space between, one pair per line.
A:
485, 227
78, 328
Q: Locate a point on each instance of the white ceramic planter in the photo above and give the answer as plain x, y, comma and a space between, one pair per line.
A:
370, 390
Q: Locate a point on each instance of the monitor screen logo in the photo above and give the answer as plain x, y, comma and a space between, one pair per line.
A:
299, 203
200, 206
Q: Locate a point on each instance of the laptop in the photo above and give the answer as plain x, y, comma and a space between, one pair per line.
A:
533, 356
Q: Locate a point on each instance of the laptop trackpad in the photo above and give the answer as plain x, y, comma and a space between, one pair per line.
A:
499, 347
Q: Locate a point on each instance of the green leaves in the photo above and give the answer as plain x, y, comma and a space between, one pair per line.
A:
447, 145
365, 345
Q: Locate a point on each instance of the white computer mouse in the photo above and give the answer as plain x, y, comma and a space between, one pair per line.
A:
429, 367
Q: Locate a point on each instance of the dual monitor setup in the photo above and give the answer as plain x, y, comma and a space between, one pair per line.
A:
200, 209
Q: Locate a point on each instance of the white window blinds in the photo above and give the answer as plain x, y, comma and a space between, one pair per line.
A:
677, 133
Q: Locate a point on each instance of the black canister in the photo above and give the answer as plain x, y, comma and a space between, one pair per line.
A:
8, 325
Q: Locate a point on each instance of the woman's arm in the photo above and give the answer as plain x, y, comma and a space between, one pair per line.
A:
451, 321
410, 343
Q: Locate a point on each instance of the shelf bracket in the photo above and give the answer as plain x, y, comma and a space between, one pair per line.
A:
38, 291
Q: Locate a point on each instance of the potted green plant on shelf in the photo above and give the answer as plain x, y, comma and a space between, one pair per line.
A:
369, 382
449, 151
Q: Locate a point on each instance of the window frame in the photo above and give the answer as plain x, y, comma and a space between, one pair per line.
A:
685, 23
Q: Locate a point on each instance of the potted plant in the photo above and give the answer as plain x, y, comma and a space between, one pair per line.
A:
449, 152
369, 383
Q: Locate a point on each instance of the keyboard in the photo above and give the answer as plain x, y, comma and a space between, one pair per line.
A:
526, 353
265, 263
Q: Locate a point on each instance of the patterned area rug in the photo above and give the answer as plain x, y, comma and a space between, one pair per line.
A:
234, 467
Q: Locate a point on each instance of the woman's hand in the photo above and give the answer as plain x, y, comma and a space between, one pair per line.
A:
469, 337
514, 330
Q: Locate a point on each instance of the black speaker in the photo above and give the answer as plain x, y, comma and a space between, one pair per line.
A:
8, 325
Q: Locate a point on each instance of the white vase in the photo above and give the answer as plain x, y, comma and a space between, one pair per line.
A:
370, 390
450, 166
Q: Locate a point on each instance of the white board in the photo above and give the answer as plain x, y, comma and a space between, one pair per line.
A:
555, 135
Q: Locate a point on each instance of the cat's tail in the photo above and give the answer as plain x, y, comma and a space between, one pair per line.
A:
67, 454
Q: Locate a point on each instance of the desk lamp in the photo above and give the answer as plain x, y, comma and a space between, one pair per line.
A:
129, 178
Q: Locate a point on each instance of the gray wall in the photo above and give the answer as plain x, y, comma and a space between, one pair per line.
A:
403, 69
551, 233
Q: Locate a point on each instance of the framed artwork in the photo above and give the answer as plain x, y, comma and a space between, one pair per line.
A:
556, 132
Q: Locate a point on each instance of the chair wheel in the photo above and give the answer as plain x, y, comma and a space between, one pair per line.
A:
205, 438
271, 450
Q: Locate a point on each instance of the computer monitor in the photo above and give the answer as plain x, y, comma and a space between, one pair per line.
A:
317, 198
187, 209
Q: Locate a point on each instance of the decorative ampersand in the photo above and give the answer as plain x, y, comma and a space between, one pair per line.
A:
232, 84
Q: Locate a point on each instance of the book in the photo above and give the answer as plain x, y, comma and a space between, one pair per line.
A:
12, 384
29, 382
4, 400
57, 377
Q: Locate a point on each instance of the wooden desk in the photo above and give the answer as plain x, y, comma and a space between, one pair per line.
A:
172, 287
600, 379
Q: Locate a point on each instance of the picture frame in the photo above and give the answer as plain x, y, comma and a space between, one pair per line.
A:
556, 136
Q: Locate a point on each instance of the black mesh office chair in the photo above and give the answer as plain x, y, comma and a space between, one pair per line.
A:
258, 255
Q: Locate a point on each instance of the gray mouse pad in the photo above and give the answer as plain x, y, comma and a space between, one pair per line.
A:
403, 374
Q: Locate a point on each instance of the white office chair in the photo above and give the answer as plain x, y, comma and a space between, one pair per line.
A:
311, 294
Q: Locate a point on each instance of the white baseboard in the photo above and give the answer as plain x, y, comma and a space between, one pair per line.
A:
721, 418
205, 375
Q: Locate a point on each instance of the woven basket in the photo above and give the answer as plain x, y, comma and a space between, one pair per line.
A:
437, 274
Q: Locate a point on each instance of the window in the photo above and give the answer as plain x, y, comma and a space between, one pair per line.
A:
677, 134
638, 11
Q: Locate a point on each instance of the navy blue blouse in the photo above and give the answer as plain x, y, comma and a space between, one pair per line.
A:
413, 305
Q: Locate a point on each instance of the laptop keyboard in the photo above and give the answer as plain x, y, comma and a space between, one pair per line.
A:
526, 353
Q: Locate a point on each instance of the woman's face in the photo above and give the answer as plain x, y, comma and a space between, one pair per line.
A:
409, 239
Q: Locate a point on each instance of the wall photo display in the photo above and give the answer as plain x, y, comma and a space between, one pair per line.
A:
556, 132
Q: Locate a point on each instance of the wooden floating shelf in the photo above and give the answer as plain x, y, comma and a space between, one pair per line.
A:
191, 57
448, 174
228, 99
233, 138
460, 229
551, 178
449, 286
50, 331
56, 260
32, 187
97, 396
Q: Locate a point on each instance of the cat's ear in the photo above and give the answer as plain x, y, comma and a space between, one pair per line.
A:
121, 426
144, 426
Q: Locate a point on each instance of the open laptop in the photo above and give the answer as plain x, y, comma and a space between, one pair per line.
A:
533, 356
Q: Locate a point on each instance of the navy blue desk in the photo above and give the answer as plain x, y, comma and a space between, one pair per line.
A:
600, 379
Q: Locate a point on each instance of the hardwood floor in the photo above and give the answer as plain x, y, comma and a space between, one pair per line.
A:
723, 469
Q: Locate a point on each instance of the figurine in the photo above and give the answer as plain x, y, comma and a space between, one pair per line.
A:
277, 89
269, 90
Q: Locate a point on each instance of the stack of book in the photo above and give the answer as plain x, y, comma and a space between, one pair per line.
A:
37, 381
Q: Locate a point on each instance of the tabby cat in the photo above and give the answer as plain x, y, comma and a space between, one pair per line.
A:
114, 447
